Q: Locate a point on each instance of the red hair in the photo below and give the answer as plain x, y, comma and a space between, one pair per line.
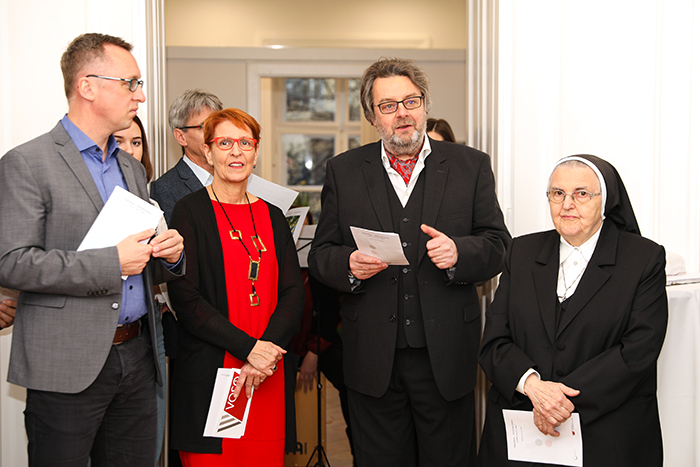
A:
237, 117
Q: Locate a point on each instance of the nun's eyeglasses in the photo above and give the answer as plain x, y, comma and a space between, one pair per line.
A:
579, 197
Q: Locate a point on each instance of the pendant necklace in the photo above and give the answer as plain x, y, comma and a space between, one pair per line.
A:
254, 266
563, 275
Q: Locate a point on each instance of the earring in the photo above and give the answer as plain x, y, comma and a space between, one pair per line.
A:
255, 165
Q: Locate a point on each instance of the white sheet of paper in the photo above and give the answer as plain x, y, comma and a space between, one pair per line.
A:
526, 443
296, 217
304, 244
280, 196
8, 293
123, 214
383, 245
227, 419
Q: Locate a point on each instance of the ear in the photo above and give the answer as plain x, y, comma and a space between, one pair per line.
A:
85, 89
255, 161
180, 137
207, 154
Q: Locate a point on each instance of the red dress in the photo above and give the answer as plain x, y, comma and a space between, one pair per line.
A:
263, 441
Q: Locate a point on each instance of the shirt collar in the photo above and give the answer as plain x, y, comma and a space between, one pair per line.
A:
422, 155
83, 142
202, 175
587, 249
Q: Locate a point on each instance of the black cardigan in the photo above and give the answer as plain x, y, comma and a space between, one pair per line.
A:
205, 333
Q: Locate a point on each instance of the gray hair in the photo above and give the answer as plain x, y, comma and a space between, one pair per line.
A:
191, 102
385, 68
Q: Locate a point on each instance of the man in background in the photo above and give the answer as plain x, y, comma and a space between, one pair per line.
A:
192, 172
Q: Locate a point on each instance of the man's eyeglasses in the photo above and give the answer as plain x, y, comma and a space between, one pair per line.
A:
579, 197
133, 83
410, 103
226, 143
191, 127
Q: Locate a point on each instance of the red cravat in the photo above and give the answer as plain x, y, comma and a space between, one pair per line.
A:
404, 168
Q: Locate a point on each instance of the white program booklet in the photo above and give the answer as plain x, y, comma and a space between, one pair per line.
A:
279, 195
526, 443
123, 214
227, 416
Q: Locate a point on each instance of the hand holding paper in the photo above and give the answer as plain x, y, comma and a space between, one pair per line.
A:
168, 246
550, 401
249, 379
133, 254
363, 267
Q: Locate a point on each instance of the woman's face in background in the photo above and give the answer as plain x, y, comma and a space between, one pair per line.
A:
131, 140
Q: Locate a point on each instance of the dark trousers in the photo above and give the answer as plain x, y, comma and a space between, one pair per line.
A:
113, 421
412, 425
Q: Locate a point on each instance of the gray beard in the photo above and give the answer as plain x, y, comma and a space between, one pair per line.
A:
395, 146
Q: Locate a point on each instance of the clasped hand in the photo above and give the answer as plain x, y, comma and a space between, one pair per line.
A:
550, 403
262, 362
133, 255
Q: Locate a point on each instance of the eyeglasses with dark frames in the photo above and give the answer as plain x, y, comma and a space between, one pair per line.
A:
410, 103
579, 197
225, 143
191, 127
133, 83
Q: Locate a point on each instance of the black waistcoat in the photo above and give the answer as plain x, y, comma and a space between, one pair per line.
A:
406, 222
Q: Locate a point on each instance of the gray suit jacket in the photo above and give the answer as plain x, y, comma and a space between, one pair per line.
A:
69, 305
173, 185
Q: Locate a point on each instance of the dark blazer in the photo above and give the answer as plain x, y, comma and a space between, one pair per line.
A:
173, 185
459, 201
206, 333
606, 346
69, 306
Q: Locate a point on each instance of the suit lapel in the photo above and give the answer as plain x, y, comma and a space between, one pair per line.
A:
435, 173
545, 279
188, 177
128, 172
374, 174
70, 154
594, 277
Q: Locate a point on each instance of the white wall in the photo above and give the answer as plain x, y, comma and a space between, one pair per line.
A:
618, 79
33, 35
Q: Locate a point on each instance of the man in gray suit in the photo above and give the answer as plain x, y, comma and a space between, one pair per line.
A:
186, 117
84, 342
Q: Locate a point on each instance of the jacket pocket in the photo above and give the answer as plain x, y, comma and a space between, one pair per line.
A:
472, 312
42, 299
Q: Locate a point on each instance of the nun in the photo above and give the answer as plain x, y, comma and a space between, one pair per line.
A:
577, 325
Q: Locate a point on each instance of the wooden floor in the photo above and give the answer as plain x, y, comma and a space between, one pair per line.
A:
337, 448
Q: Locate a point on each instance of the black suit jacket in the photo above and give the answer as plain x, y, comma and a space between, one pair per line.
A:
173, 185
460, 201
606, 346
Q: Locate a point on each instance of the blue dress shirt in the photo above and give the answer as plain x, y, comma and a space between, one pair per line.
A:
107, 176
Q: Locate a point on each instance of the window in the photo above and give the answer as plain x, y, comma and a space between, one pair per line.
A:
314, 119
